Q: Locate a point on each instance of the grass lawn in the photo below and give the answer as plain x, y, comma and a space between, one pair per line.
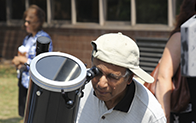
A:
9, 95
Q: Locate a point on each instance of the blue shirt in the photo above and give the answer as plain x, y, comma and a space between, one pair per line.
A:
30, 43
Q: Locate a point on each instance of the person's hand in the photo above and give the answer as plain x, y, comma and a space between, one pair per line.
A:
17, 60
19, 66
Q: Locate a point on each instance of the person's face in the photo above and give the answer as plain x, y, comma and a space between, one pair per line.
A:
32, 22
110, 85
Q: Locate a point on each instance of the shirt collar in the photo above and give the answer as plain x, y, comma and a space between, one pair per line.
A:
36, 35
125, 103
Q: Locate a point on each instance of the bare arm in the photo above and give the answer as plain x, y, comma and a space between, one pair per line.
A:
18, 60
168, 66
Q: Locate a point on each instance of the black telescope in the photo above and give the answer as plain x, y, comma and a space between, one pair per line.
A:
57, 80
42, 45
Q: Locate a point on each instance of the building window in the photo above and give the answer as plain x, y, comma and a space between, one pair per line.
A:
18, 8
2, 10
62, 9
118, 10
178, 3
151, 11
104, 12
87, 10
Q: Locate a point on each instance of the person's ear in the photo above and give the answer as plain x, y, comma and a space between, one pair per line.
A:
130, 79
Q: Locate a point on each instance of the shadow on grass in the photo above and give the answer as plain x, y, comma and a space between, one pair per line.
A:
12, 120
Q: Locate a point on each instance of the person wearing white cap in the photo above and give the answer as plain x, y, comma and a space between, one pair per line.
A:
114, 95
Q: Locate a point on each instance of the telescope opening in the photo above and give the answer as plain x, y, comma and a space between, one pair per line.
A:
58, 68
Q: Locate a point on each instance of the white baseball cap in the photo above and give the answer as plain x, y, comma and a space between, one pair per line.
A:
120, 50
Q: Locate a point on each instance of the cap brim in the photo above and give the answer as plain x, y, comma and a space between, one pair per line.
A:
143, 75
136, 78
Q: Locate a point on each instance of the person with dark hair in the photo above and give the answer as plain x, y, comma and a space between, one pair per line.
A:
169, 64
113, 95
34, 18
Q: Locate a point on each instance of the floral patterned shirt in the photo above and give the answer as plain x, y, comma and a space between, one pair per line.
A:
30, 44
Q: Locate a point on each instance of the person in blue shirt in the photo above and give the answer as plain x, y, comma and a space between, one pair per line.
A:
34, 18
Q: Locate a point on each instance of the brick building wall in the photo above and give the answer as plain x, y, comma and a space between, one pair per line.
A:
73, 41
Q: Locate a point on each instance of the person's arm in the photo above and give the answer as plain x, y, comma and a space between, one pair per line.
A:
168, 66
18, 60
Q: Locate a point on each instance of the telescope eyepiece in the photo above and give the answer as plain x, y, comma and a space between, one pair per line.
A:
91, 73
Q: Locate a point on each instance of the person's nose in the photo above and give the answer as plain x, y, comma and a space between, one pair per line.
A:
26, 23
103, 82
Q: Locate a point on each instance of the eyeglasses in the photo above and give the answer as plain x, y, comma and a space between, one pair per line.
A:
111, 77
29, 22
